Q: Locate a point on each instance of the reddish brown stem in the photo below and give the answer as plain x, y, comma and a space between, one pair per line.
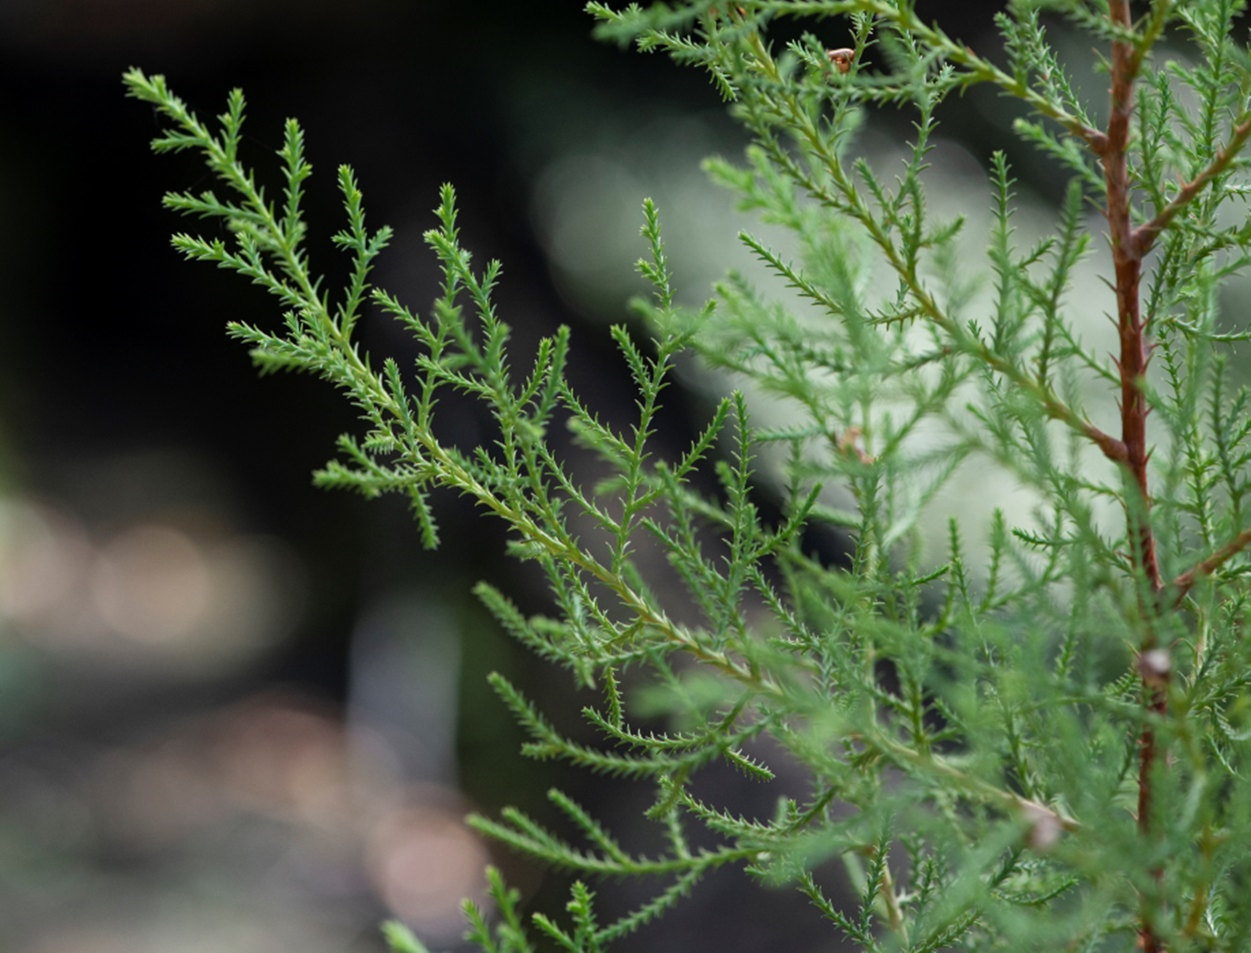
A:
1155, 697
1182, 585
1127, 261
1135, 354
1146, 234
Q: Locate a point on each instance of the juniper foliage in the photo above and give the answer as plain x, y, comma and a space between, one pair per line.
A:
1035, 740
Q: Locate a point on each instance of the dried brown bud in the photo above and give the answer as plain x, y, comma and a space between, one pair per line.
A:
849, 443
1045, 826
1154, 666
842, 58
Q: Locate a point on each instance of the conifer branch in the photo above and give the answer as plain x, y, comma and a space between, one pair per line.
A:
903, 16
850, 200
1135, 354
1146, 234
1181, 585
960, 708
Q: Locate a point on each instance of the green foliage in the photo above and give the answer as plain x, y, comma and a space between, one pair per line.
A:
400, 939
1035, 740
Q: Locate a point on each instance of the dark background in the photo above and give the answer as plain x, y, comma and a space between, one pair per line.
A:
238, 713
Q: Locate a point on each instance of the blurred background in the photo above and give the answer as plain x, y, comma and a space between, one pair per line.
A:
236, 713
